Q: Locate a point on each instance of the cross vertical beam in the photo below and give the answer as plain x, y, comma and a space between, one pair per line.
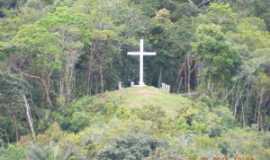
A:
141, 55
141, 82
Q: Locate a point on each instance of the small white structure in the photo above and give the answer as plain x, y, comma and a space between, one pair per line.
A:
120, 85
132, 84
165, 87
141, 54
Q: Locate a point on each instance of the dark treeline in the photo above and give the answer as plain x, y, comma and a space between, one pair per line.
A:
52, 52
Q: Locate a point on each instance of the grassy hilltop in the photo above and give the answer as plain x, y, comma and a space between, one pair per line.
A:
140, 97
142, 123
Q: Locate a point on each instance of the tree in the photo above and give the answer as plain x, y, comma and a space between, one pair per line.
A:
252, 43
39, 53
219, 59
14, 107
69, 28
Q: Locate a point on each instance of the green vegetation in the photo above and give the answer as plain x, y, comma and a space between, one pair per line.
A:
61, 62
113, 126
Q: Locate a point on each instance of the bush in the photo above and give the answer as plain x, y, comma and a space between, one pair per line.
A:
215, 132
164, 155
161, 122
12, 153
151, 113
79, 121
134, 147
86, 110
52, 152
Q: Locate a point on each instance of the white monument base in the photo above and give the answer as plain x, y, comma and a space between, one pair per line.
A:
139, 85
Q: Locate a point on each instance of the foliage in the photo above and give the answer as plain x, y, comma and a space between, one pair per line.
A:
216, 52
115, 128
164, 155
132, 147
13, 118
13, 152
67, 57
45, 43
50, 152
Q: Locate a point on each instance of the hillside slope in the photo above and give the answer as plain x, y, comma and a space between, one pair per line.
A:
191, 128
135, 123
140, 97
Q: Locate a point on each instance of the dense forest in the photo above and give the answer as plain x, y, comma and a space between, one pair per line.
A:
61, 62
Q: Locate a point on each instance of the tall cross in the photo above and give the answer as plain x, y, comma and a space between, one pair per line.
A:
141, 54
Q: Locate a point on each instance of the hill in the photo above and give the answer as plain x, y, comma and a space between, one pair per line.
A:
140, 97
142, 123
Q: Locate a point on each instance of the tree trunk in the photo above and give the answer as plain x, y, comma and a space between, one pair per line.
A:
46, 87
180, 77
61, 88
188, 73
259, 117
90, 71
68, 82
248, 95
243, 115
179, 85
15, 125
29, 118
68, 76
160, 78
96, 84
237, 101
101, 79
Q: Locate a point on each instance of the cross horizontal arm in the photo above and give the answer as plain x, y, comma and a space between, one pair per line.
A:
134, 53
143, 53
149, 53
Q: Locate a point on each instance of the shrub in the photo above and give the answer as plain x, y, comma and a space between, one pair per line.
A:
158, 117
86, 110
132, 147
12, 153
52, 152
152, 113
78, 121
215, 132
164, 155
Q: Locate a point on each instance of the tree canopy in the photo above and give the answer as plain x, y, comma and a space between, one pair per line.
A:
55, 53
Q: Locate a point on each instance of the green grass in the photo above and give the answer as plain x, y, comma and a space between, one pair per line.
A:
139, 97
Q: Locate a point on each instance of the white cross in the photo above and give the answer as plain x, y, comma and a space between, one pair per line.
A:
141, 54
